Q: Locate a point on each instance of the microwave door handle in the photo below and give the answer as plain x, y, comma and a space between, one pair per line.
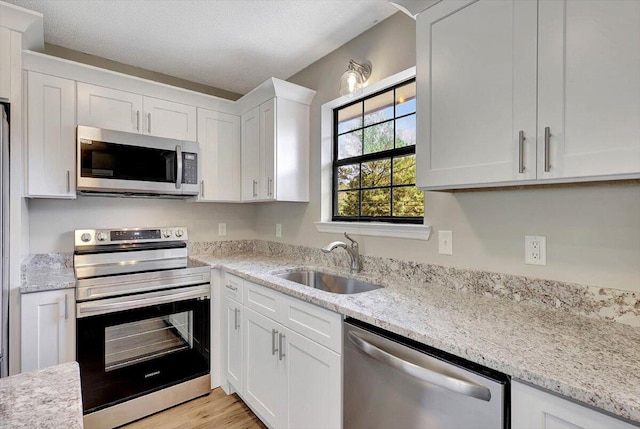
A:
179, 172
430, 375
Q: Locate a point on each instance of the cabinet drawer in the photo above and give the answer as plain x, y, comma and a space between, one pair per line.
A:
233, 286
318, 324
263, 300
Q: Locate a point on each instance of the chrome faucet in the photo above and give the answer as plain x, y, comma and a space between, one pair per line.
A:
352, 250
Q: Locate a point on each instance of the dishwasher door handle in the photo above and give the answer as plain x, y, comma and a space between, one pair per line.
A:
425, 374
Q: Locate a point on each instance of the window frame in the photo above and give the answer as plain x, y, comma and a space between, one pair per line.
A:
390, 154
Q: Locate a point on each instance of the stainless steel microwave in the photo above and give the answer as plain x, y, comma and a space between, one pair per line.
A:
116, 162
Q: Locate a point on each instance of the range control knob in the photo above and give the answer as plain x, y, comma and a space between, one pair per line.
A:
166, 233
86, 237
101, 236
179, 233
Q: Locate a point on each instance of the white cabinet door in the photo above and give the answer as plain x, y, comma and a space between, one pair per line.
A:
267, 150
532, 408
219, 138
108, 108
233, 330
589, 88
48, 324
164, 118
476, 91
314, 386
5, 63
251, 154
51, 134
265, 376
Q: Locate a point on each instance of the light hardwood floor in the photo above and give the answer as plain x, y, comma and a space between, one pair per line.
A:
215, 411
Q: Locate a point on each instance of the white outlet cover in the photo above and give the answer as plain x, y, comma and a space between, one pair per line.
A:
535, 250
222, 229
278, 230
445, 242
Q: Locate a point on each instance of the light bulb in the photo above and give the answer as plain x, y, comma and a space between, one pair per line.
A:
351, 81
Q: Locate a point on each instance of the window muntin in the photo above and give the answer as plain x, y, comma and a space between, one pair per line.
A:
374, 158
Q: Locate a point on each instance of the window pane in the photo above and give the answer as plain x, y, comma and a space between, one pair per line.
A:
349, 176
408, 201
406, 131
348, 203
406, 99
350, 145
378, 137
376, 173
376, 202
404, 170
378, 109
350, 118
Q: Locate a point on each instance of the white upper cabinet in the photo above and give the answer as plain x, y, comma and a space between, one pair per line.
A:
219, 138
109, 108
251, 154
476, 91
589, 88
520, 91
275, 151
168, 119
51, 136
5, 63
113, 109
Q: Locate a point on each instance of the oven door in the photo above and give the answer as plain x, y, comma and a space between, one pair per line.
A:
134, 345
114, 161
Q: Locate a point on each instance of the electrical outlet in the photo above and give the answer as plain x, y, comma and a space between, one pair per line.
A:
535, 250
278, 230
445, 242
222, 229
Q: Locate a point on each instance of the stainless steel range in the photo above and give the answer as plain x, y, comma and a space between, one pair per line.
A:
143, 323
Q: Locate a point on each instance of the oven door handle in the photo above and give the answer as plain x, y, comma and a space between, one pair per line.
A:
421, 373
105, 306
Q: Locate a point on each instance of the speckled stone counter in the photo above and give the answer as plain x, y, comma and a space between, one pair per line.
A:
49, 398
49, 271
592, 361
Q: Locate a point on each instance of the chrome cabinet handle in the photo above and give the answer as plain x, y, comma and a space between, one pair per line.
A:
149, 123
179, 172
68, 182
138, 120
255, 186
421, 373
281, 352
521, 152
202, 188
236, 323
235, 289
274, 347
547, 144
66, 306
270, 187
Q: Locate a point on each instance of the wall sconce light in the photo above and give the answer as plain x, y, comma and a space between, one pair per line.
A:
355, 76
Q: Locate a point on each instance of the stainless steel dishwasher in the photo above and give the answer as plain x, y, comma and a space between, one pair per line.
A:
394, 382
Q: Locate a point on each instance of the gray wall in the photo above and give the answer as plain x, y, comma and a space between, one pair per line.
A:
52, 221
593, 230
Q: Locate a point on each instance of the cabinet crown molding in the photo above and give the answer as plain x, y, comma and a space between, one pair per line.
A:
25, 21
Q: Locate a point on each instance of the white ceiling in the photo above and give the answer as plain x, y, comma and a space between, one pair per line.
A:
228, 44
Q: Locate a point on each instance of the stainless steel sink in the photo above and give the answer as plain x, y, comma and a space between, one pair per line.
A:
328, 282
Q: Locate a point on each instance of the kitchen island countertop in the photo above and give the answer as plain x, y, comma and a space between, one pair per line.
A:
49, 398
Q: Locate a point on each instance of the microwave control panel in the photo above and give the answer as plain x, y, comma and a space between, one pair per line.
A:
190, 168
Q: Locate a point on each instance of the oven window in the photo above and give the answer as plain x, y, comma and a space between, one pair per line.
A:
131, 343
104, 160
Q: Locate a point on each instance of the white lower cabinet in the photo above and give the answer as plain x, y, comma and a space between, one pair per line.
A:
233, 346
48, 329
533, 408
290, 379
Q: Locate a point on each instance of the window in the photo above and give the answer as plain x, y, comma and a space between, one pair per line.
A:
374, 162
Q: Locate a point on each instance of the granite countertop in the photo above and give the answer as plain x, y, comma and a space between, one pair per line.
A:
592, 361
49, 398
45, 272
